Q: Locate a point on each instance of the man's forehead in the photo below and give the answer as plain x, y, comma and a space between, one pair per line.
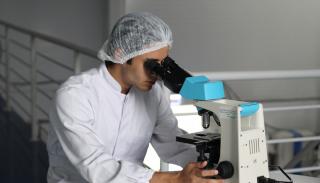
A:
157, 55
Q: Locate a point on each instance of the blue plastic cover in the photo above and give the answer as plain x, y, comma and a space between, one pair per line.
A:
200, 88
249, 108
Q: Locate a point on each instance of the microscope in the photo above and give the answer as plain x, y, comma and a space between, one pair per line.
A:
239, 150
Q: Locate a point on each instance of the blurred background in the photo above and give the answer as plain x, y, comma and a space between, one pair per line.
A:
266, 51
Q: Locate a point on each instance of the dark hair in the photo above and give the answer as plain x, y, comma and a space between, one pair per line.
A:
129, 62
108, 63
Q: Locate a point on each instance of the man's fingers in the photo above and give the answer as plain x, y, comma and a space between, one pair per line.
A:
199, 164
215, 181
207, 173
202, 164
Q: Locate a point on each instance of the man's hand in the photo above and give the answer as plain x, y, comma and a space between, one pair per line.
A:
192, 173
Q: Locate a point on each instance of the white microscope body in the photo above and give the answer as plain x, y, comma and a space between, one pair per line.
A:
243, 139
240, 147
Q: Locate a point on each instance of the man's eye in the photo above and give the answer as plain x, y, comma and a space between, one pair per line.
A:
162, 61
152, 60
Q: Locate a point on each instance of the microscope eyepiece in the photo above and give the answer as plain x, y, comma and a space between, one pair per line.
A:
172, 75
153, 67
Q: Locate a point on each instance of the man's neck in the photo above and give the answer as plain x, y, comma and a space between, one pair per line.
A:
115, 71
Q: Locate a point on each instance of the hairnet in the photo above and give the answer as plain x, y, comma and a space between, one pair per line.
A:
135, 34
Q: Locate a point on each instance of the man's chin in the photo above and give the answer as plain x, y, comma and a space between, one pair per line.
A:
145, 88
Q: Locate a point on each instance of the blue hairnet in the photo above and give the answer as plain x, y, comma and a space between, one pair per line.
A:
135, 34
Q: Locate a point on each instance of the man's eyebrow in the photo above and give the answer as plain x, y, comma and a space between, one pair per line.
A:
152, 59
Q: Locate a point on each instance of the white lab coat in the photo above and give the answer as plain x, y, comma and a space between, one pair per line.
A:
99, 135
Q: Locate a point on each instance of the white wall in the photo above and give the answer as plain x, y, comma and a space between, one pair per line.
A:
82, 22
233, 35
220, 35
240, 34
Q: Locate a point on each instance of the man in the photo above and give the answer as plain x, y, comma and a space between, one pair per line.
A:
103, 119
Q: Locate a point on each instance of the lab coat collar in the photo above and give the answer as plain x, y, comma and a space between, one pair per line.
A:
109, 78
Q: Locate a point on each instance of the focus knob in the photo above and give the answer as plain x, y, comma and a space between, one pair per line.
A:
225, 169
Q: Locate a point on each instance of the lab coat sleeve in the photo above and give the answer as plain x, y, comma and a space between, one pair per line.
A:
82, 146
164, 137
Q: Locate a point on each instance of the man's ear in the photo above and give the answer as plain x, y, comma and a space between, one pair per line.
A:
129, 62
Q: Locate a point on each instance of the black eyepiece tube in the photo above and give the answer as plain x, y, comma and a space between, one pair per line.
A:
172, 75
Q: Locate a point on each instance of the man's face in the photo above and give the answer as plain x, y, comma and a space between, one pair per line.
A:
135, 73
